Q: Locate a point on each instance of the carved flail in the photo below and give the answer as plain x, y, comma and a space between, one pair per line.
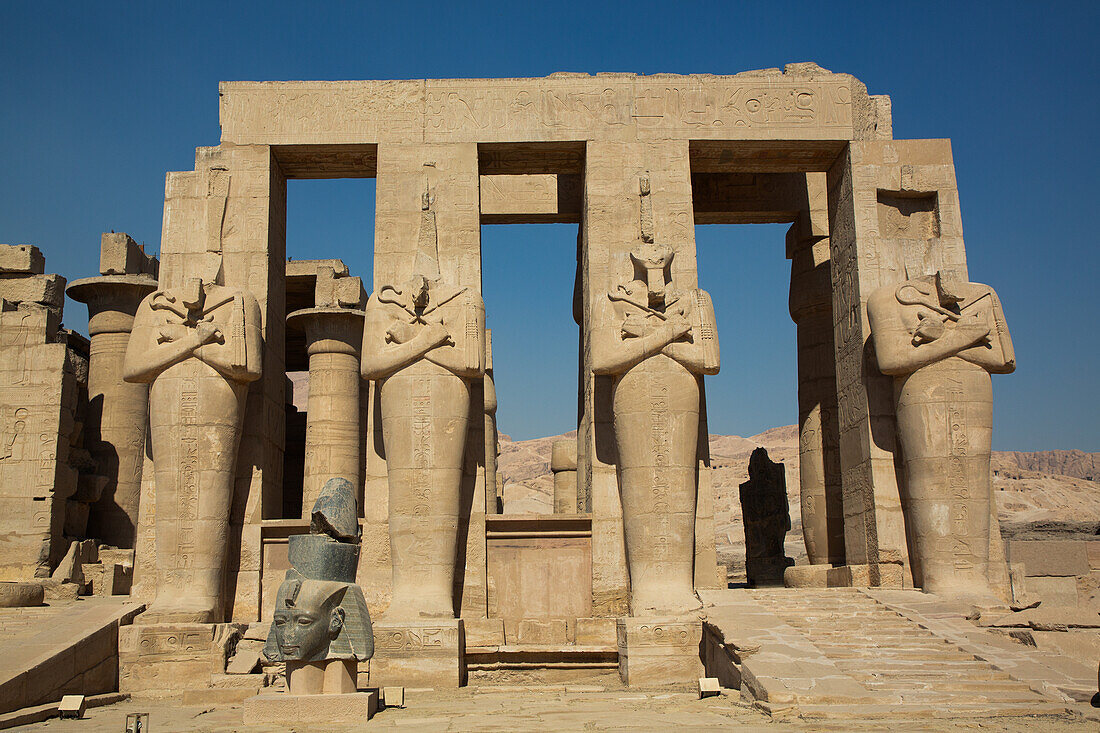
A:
645, 209
217, 198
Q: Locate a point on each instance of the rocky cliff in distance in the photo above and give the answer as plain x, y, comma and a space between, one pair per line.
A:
1040, 488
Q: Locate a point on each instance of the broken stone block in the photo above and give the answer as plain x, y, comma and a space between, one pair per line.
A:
17, 595
48, 290
23, 259
121, 255
245, 661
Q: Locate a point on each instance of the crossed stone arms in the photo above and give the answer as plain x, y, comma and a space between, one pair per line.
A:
156, 343
452, 336
978, 334
674, 334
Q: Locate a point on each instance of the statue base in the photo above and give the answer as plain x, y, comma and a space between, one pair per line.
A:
877, 575
283, 709
422, 653
170, 659
807, 576
659, 651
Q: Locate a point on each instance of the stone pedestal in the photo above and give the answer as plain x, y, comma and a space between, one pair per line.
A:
333, 338
170, 658
419, 654
357, 707
659, 651
117, 408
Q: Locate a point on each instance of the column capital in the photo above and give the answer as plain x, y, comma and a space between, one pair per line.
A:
112, 300
330, 330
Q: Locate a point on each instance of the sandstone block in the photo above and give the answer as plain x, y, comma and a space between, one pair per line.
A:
599, 632
46, 290
17, 595
1053, 590
21, 259
806, 576
393, 697
542, 631
656, 651
121, 255
419, 654
1050, 557
483, 632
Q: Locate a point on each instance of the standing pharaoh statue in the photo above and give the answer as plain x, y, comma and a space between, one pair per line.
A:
941, 339
656, 341
423, 342
198, 345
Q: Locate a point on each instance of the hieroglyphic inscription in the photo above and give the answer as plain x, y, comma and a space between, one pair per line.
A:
660, 440
957, 484
415, 639
422, 446
187, 497
368, 110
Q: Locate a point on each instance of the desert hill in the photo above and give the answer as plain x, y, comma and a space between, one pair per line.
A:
1039, 488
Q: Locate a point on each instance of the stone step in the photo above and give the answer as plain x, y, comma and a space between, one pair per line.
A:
896, 654
922, 672
921, 713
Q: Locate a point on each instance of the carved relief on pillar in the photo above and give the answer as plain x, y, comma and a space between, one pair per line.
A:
424, 343
655, 340
941, 339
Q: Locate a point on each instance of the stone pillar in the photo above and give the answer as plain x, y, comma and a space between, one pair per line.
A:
563, 464
333, 445
616, 221
117, 409
893, 210
818, 450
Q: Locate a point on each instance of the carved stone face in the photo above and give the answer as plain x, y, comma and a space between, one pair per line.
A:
306, 622
651, 264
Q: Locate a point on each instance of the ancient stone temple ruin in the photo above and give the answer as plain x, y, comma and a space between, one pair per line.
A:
168, 450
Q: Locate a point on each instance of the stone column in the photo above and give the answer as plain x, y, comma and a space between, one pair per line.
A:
333, 338
117, 408
563, 464
818, 449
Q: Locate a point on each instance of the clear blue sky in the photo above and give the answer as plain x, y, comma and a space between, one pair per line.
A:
100, 99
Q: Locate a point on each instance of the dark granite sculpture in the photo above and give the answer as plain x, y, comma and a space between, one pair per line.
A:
767, 517
322, 627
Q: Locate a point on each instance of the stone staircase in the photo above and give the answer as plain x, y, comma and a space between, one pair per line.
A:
895, 658
840, 652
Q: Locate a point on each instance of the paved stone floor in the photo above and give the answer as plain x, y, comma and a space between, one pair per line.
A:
549, 709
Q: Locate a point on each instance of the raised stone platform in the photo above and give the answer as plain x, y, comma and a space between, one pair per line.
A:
50, 651
170, 659
837, 652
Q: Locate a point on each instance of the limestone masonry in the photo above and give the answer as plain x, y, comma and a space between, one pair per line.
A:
165, 460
